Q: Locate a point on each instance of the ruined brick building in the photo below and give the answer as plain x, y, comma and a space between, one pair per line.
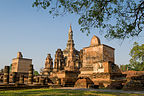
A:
91, 66
94, 64
20, 64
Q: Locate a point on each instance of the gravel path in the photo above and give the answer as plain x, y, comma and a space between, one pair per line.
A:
104, 90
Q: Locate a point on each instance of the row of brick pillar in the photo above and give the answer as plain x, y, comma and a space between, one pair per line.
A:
13, 77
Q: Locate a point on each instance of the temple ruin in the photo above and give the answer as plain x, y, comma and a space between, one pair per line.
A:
20, 64
91, 67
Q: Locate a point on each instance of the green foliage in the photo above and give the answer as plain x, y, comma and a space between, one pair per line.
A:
125, 67
36, 72
120, 18
10, 68
137, 57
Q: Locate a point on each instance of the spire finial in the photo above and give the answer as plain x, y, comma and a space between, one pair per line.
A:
70, 30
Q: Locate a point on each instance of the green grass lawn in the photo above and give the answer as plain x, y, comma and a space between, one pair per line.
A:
60, 92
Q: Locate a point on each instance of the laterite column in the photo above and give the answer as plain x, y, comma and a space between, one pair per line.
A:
6, 75
21, 79
30, 75
14, 76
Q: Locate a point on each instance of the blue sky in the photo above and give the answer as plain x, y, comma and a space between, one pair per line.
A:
35, 33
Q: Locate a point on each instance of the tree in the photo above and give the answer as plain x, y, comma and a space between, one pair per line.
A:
10, 69
125, 67
119, 18
36, 72
137, 57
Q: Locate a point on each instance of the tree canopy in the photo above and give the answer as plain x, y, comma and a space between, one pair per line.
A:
137, 57
119, 18
36, 72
